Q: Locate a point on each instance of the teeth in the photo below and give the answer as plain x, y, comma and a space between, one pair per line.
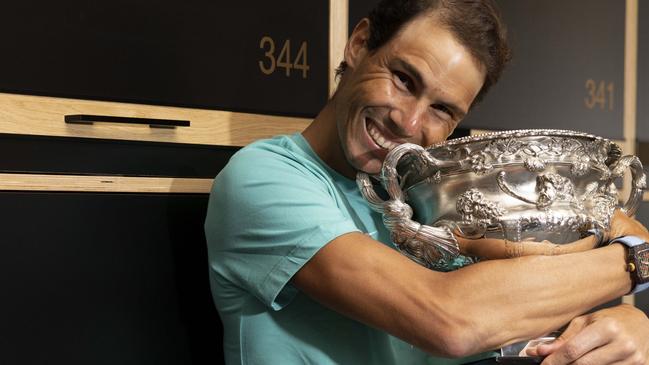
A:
379, 139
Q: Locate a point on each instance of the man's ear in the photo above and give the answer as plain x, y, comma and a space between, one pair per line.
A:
356, 47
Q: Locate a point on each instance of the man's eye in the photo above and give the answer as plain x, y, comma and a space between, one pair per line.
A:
444, 110
404, 80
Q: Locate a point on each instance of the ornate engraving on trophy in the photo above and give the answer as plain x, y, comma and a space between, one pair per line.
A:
534, 154
602, 197
479, 163
543, 184
579, 168
473, 206
551, 187
554, 187
271, 62
534, 164
436, 178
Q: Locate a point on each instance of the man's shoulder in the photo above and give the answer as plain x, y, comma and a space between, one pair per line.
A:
278, 155
278, 146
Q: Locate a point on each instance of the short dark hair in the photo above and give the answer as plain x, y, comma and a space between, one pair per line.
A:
477, 24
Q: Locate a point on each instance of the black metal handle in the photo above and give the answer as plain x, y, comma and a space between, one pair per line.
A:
154, 123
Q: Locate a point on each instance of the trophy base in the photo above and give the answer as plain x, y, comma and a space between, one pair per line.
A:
511, 360
511, 354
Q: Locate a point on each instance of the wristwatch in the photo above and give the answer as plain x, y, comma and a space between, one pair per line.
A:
637, 261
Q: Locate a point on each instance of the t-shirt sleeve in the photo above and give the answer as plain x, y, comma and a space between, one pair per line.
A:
268, 215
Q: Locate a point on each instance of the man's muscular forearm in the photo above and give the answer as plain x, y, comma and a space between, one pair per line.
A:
477, 308
513, 300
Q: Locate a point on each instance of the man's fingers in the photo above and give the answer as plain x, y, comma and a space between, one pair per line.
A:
532, 347
546, 349
612, 336
575, 326
603, 355
494, 248
622, 225
583, 244
582, 343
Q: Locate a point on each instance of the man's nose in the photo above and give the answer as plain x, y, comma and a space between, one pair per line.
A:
409, 118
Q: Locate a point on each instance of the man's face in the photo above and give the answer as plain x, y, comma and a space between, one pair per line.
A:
416, 88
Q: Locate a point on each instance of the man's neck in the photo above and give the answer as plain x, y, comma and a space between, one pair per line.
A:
322, 135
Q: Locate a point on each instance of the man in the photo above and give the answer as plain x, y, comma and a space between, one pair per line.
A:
302, 271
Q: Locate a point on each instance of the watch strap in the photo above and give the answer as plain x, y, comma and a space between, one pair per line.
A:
632, 241
639, 288
629, 241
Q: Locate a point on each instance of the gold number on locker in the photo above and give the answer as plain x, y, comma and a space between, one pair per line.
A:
599, 94
283, 60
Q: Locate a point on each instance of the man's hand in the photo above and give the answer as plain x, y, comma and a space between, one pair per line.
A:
617, 335
493, 248
623, 225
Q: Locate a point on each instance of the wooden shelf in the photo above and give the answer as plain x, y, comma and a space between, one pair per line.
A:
37, 115
108, 184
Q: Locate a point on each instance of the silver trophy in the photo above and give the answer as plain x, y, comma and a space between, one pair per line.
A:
516, 185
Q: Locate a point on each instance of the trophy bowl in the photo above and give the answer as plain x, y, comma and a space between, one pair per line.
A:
543, 184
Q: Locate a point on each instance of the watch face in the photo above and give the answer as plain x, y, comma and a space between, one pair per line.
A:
643, 264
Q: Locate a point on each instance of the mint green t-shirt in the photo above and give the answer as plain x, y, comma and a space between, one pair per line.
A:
271, 209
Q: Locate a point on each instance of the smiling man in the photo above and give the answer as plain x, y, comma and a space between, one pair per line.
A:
416, 88
302, 271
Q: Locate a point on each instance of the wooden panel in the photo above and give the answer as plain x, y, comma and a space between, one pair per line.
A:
338, 15
643, 72
630, 75
113, 184
252, 56
36, 115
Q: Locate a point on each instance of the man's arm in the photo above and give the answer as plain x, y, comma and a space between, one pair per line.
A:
477, 308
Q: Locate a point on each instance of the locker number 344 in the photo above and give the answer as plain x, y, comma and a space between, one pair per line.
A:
272, 60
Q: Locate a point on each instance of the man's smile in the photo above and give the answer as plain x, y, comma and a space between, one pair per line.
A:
377, 136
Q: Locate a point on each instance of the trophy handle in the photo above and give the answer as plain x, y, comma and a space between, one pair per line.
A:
432, 247
638, 181
367, 190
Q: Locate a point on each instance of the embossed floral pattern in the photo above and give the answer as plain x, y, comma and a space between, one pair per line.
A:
473, 206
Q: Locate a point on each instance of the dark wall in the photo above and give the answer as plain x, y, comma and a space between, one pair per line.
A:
64, 155
241, 56
92, 278
642, 299
567, 70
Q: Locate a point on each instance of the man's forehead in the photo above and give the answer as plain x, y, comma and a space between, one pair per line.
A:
419, 25
424, 40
